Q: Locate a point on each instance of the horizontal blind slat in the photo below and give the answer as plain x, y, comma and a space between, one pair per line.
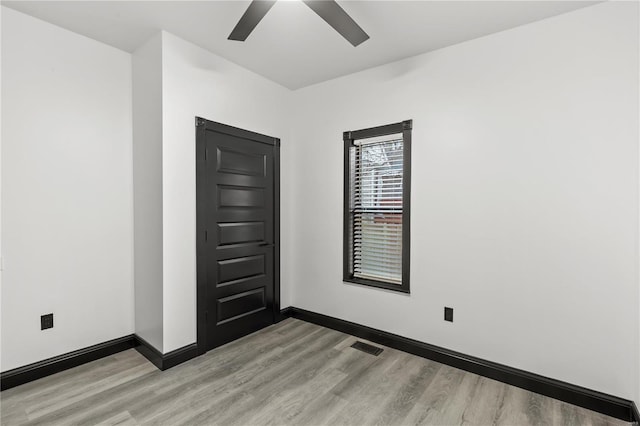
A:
373, 256
388, 278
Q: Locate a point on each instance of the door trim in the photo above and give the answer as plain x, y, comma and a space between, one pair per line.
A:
202, 126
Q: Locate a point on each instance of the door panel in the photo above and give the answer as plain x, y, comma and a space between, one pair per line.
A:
240, 232
240, 267
231, 161
229, 196
235, 195
241, 304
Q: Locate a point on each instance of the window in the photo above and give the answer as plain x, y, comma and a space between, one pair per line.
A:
377, 187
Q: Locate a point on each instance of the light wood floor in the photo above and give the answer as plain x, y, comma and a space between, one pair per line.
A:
291, 373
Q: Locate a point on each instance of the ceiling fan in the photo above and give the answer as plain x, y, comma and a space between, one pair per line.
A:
328, 10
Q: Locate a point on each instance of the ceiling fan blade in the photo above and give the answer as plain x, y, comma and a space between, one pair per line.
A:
252, 16
335, 16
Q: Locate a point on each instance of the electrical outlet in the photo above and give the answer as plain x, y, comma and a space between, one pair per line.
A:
46, 321
448, 314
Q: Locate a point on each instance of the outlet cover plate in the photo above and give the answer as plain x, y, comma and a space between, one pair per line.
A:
46, 321
448, 314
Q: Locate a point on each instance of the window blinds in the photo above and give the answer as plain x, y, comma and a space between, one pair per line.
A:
376, 209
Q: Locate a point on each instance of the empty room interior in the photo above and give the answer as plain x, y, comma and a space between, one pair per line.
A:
320, 212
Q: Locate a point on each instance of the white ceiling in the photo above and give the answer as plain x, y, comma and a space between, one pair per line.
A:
292, 45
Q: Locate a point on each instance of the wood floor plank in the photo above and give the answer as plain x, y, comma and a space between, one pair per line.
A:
512, 409
483, 407
79, 392
293, 373
292, 402
277, 370
458, 399
428, 408
399, 404
100, 407
283, 377
42, 388
121, 419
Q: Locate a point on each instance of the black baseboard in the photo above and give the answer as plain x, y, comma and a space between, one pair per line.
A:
168, 360
180, 355
47, 367
577, 395
149, 352
606, 404
284, 314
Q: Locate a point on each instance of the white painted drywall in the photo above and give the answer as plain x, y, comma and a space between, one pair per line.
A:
1, 261
524, 196
147, 187
67, 214
199, 83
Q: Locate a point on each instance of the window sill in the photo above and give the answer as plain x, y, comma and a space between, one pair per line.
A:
378, 284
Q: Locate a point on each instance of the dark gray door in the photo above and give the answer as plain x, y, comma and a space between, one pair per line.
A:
237, 232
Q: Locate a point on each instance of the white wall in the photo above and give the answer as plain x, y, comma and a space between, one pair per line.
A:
199, 83
147, 186
1, 261
524, 197
67, 214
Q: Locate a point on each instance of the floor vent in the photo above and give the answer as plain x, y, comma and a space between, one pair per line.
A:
365, 347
